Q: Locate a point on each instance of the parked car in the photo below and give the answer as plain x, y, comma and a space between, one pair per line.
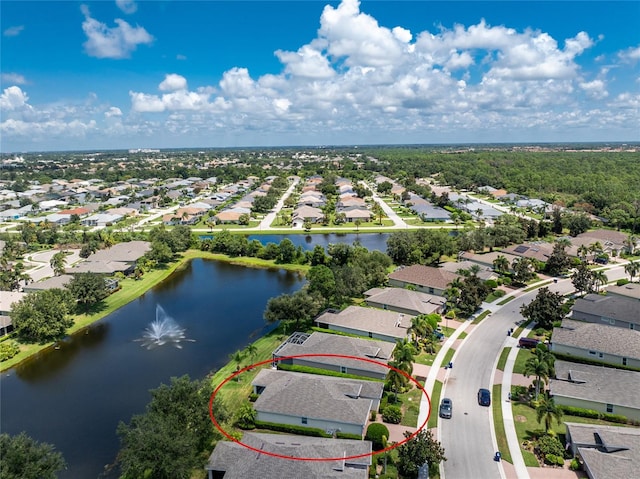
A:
528, 342
484, 397
446, 408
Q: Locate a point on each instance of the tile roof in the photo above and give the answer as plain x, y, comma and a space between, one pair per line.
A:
424, 276
596, 383
314, 396
239, 462
597, 337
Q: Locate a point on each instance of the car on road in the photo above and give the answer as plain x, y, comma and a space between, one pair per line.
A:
484, 397
446, 408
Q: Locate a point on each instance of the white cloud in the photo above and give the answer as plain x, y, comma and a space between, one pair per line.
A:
113, 111
13, 98
173, 82
14, 78
127, 6
180, 57
307, 62
630, 55
595, 89
117, 42
13, 31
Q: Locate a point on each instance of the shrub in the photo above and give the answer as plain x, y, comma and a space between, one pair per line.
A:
8, 349
348, 435
550, 445
374, 434
499, 293
575, 464
622, 282
383, 404
593, 414
491, 283
253, 397
554, 460
374, 415
392, 415
303, 431
506, 281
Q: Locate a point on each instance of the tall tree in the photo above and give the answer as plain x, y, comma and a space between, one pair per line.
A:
545, 309
43, 315
294, 310
632, 268
57, 263
26, 458
88, 289
547, 411
421, 449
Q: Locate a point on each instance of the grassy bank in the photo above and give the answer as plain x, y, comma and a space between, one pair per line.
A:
132, 289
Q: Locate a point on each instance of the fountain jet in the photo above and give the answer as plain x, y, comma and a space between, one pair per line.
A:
164, 330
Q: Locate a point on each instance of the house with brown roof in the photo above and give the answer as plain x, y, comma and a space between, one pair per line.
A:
540, 251
425, 279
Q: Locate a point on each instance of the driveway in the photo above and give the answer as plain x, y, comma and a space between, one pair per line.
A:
38, 267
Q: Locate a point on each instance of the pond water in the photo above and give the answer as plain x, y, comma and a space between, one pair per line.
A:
371, 241
74, 397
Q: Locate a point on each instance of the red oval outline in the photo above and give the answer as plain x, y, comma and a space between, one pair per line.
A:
341, 458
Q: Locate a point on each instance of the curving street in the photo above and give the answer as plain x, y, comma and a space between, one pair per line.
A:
468, 437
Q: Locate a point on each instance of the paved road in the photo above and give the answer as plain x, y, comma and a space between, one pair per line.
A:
271, 216
468, 437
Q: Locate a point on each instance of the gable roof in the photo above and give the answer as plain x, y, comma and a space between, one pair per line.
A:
240, 462
424, 276
629, 290
367, 320
615, 307
313, 396
127, 252
421, 303
596, 383
597, 337
324, 343
608, 452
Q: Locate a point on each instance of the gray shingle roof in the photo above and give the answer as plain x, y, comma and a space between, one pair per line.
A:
323, 343
596, 383
368, 319
239, 462
129, 252
616, 307
317, 397
602, 464
597, 337
629, 290
420, 303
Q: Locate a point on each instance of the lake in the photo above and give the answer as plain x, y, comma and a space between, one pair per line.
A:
74, 397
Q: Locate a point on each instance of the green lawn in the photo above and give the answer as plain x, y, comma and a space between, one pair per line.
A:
435, 403
503, 358
411, 405
506, 300
501, 437
521, 358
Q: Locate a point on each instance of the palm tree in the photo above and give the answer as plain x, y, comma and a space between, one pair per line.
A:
564, 242
599, 278
534, 366
404, 355
630, 244
395, 379
357, 224
632, 269
547, 410
237, 357
583, 252
57, 263
251, 350
501, 264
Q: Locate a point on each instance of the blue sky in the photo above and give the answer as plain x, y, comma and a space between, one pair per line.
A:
171, 74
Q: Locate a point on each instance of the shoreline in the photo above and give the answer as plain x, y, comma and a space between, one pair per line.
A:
124, 296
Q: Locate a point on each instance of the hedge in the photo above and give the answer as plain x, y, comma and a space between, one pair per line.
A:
349, 435
392, 415
322, 372
304, 431
592, 414
576, 359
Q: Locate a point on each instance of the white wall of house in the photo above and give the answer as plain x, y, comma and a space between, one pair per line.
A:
595, 355
420, 288
380, 336
311, 422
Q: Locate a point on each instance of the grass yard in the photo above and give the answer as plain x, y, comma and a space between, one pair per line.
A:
521, 358
411, 406
503, 358
435, 404
501, 436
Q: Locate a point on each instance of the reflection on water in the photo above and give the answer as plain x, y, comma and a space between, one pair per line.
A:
48, 362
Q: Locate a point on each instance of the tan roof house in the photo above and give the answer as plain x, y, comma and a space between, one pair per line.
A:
425, 279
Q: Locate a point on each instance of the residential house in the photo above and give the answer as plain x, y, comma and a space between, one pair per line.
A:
314, 215
101, 219
485, 273
231, 215
53, 282
332, 404
610, 240
613, 310
400, 300
231, 460
352, 214
368, 322
425, 279
7, 300
539, 251
597, 342
121, 257
606, 452
629, 290
325, 346
607, 390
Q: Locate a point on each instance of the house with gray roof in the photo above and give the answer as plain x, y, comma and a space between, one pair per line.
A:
231, 460
55, 282
606, 452
368, 322
425, 279
597, 342
607, 390
629, 290
613, 310
326, 345
121, 257
7, 300
332, 404
405, 301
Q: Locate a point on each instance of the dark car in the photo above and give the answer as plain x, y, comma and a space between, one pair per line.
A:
446, 408
484, 397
